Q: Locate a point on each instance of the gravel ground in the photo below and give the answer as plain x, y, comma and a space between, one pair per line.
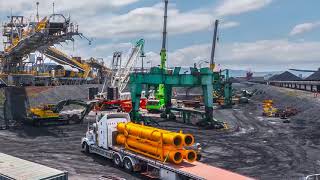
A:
264, 148
58, 147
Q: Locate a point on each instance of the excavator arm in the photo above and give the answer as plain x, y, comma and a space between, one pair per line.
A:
88, 106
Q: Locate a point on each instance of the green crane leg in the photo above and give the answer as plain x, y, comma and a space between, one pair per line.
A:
209, 121
208, 101
227, 91
167, 102
228, 95
167, 98
135, 97
147, 90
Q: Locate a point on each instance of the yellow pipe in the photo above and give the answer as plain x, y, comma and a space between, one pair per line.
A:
188, 139
189, 155
152, 134
133, 144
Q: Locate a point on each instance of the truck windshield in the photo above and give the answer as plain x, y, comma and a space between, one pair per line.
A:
110, 116
152, 102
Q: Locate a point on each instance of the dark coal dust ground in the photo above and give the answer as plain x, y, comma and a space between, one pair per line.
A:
255, 146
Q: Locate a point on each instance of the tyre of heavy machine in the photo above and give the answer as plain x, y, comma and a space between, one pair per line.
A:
127, 164
117, 160
85, 148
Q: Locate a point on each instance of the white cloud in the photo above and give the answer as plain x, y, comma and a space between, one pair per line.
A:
101, 22
303, 28
259, 55
229, 24
232, 7
45, 6
147, 21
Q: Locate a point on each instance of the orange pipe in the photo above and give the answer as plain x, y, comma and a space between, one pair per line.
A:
189, 155
188, 139
159, 153
149, 133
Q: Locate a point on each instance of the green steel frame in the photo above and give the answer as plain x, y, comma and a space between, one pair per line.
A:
205, 78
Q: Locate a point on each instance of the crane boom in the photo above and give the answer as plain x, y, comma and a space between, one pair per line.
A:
303, 70
163, 52
121, 77
214, 41
62, 58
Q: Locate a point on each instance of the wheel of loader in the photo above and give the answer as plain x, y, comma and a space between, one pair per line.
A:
128, 165
117, 160
85, 148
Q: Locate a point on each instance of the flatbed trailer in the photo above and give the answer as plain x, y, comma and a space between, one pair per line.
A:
185, 170
101, 140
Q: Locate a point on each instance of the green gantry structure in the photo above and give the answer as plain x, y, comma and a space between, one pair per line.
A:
204, 77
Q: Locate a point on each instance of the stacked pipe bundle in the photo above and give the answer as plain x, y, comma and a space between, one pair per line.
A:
156, 143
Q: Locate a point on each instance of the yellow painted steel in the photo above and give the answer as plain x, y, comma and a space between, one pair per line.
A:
187, 139
41, 25
150, 133
187, 154
155, 152
44, 112
268, 109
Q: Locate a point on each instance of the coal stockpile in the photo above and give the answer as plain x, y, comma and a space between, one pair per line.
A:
3, 122
52, 95
255, 146
314, 77
285, 76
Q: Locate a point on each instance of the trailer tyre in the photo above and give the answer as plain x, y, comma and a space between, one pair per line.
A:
85, 148
117, 160
128, 165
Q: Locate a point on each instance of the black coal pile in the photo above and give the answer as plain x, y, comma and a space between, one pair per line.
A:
285, 76
314, 77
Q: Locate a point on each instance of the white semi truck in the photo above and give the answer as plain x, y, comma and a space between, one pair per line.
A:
101, 139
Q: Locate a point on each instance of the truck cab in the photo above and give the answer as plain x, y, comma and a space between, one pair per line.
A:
103, 132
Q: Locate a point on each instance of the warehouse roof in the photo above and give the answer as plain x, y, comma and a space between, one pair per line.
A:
285, 76
15, 168
314, 77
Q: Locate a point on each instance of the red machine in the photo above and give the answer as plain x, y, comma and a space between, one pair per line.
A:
121, 105
115, 98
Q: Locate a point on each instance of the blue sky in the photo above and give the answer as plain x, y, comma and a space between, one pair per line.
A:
261, 35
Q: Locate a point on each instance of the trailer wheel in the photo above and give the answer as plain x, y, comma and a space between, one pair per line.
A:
85, 148
117, 160
128, 165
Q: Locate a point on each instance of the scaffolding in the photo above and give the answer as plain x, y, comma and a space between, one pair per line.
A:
23, 38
